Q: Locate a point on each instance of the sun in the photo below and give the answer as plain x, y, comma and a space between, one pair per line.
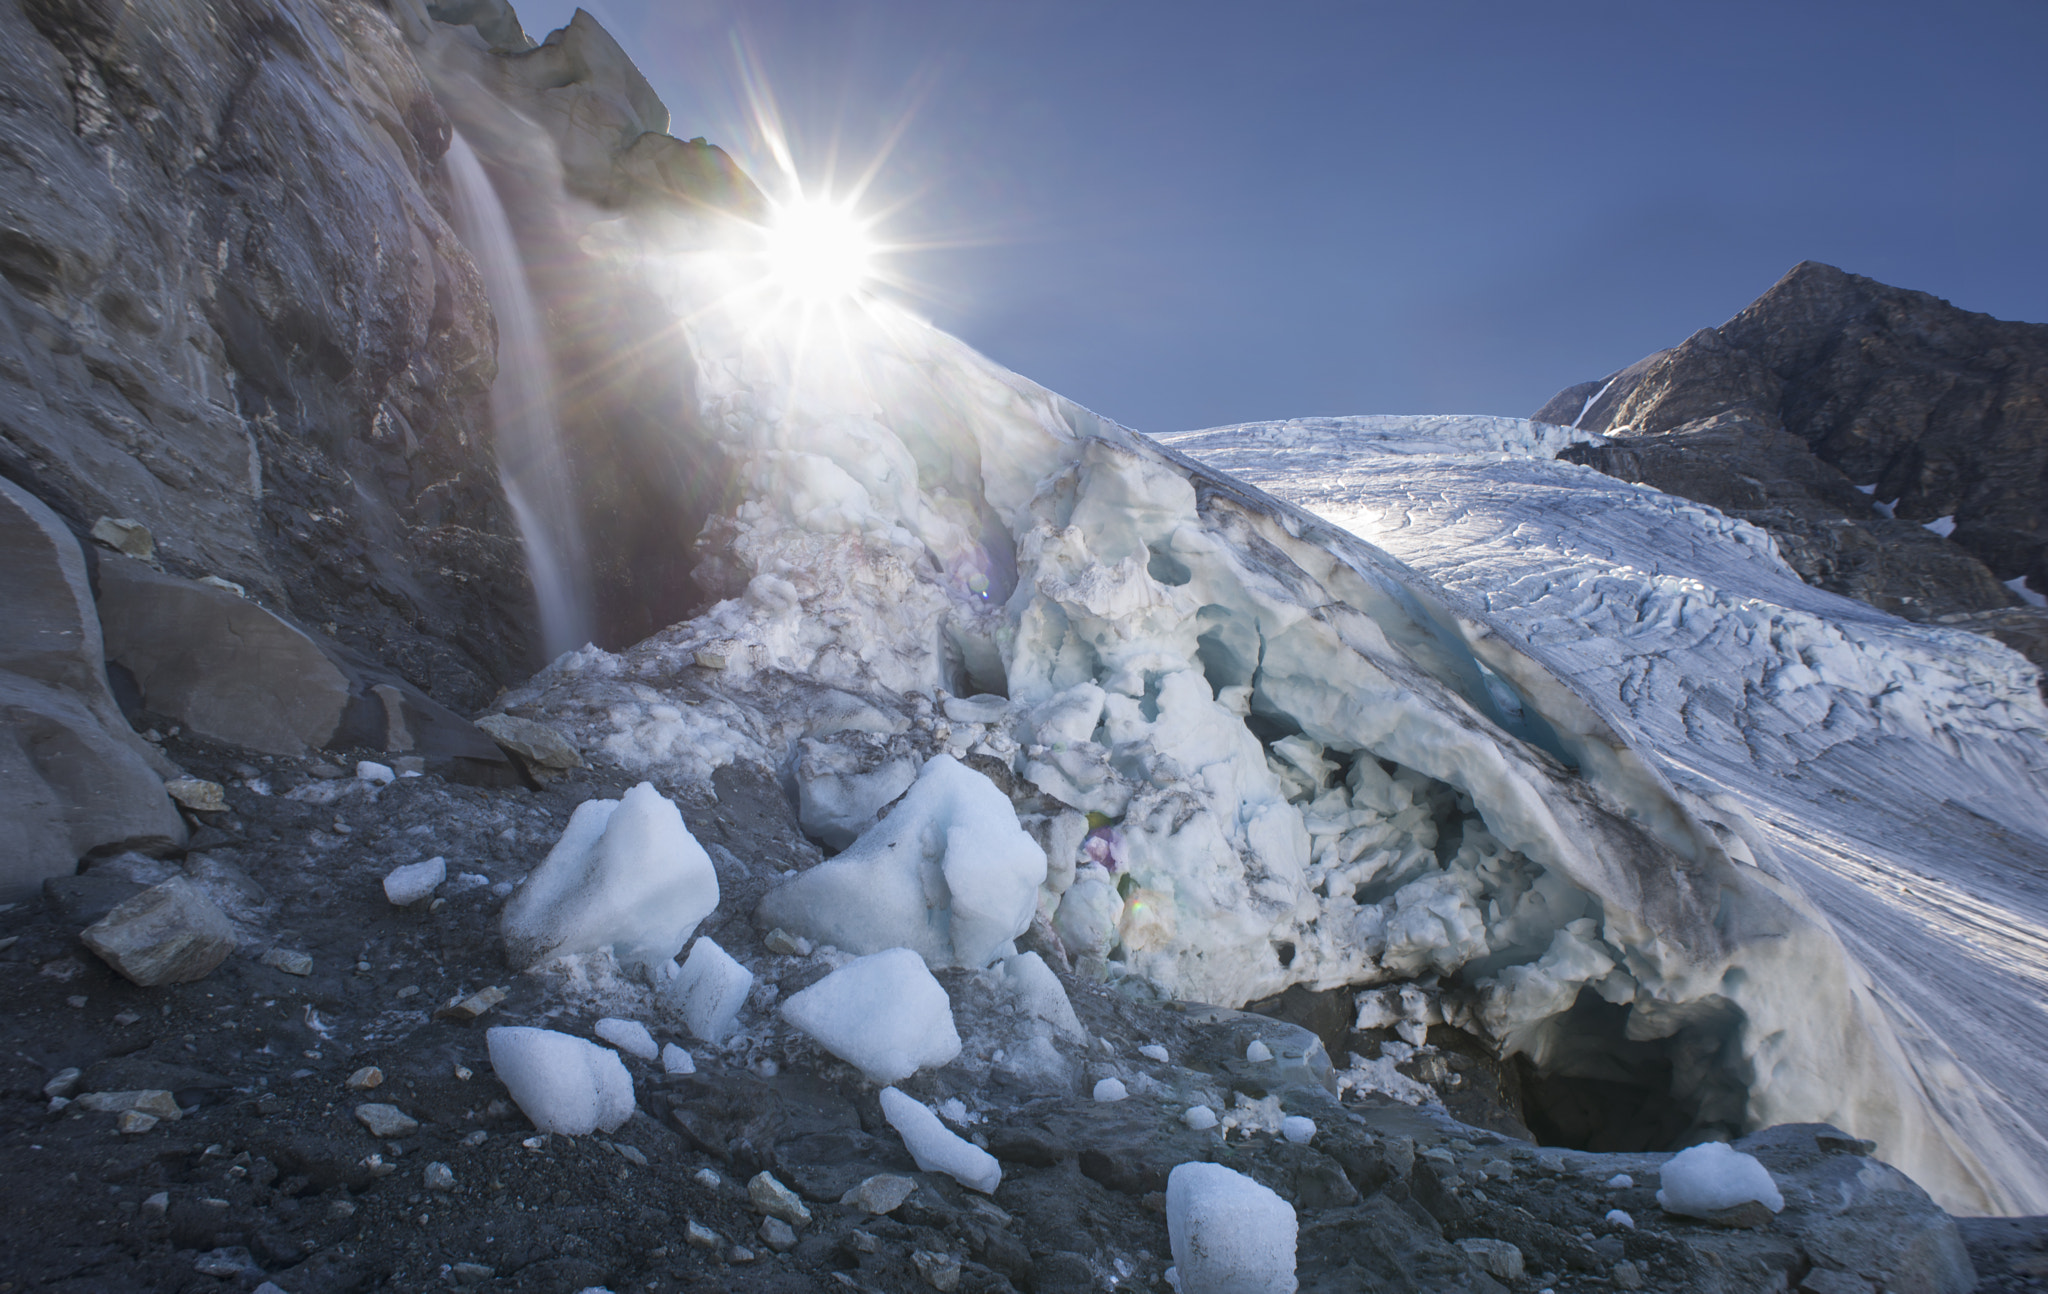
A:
818, 250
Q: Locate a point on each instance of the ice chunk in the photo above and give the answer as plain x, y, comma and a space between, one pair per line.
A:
374, 773
626, 874
883, 1013
1229, 1234
629, 1036
1298, 1128
564, 1084
1153, 1051
1199, 1117
1257, 1051
407, 885
710, 990
674, 1060
1110, 1089
1038, 992
949, 874
1620, 1218
1620, 1182
1088, 914
935, 1147
1705, 1179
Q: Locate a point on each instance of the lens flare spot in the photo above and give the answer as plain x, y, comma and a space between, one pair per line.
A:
818, 250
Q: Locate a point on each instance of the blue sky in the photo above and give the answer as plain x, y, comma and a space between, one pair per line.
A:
1189, 214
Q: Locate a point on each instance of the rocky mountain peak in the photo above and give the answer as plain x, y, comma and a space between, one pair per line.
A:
1936, 416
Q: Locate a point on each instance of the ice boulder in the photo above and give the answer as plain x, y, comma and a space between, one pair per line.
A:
564, 1084
405, 886
937, 1149
626, 874
1706, 1179
1229, 1234
948, 874
629, 1036
710, 990
883, 1013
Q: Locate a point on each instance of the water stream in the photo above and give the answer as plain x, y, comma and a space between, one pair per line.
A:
532, 463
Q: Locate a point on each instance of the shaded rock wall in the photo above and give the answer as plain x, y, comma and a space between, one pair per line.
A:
233, 310
1831, 382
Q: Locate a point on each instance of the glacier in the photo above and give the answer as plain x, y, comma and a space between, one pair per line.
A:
1583, 803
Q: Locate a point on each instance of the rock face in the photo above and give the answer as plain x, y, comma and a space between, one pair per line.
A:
231, 310
74, 779
1833, 394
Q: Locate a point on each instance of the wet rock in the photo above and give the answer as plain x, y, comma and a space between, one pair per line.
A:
169, 934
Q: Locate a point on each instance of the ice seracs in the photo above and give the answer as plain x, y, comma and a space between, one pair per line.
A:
563, 1083
884, 1014
949, 873
1229, 1234
626, 874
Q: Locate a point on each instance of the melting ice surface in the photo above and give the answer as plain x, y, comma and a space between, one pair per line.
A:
1494, 775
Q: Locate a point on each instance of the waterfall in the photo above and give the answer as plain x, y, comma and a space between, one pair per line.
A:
532, 464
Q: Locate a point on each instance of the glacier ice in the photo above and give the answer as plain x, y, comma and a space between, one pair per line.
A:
1229, 1234
626, 874
883, 1013
937, 1148
709, 989
563, 1083
1516, 737
949, 873
629, 1036
1702, 1180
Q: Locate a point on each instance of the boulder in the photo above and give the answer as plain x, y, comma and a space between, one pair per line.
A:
169, 934
219, 664
74, 778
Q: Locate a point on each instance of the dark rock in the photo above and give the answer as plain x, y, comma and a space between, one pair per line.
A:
82, 900
74, 779
1023, 1144
1940, 409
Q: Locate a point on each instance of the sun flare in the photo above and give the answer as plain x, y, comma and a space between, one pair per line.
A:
818, 250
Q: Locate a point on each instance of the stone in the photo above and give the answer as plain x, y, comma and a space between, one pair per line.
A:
777, 1235
539, 747
473, 1006
125, 535
439, 1177
288, 960
1497, 1258
219, 664
364, 1079
1822, 1280
940, 1271
157, 1205
64, 1084
155, 1102
386, 1120
74, 778
881, 1193
699, 1236
776, 1200
198, 794
169, 934
130, 1122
